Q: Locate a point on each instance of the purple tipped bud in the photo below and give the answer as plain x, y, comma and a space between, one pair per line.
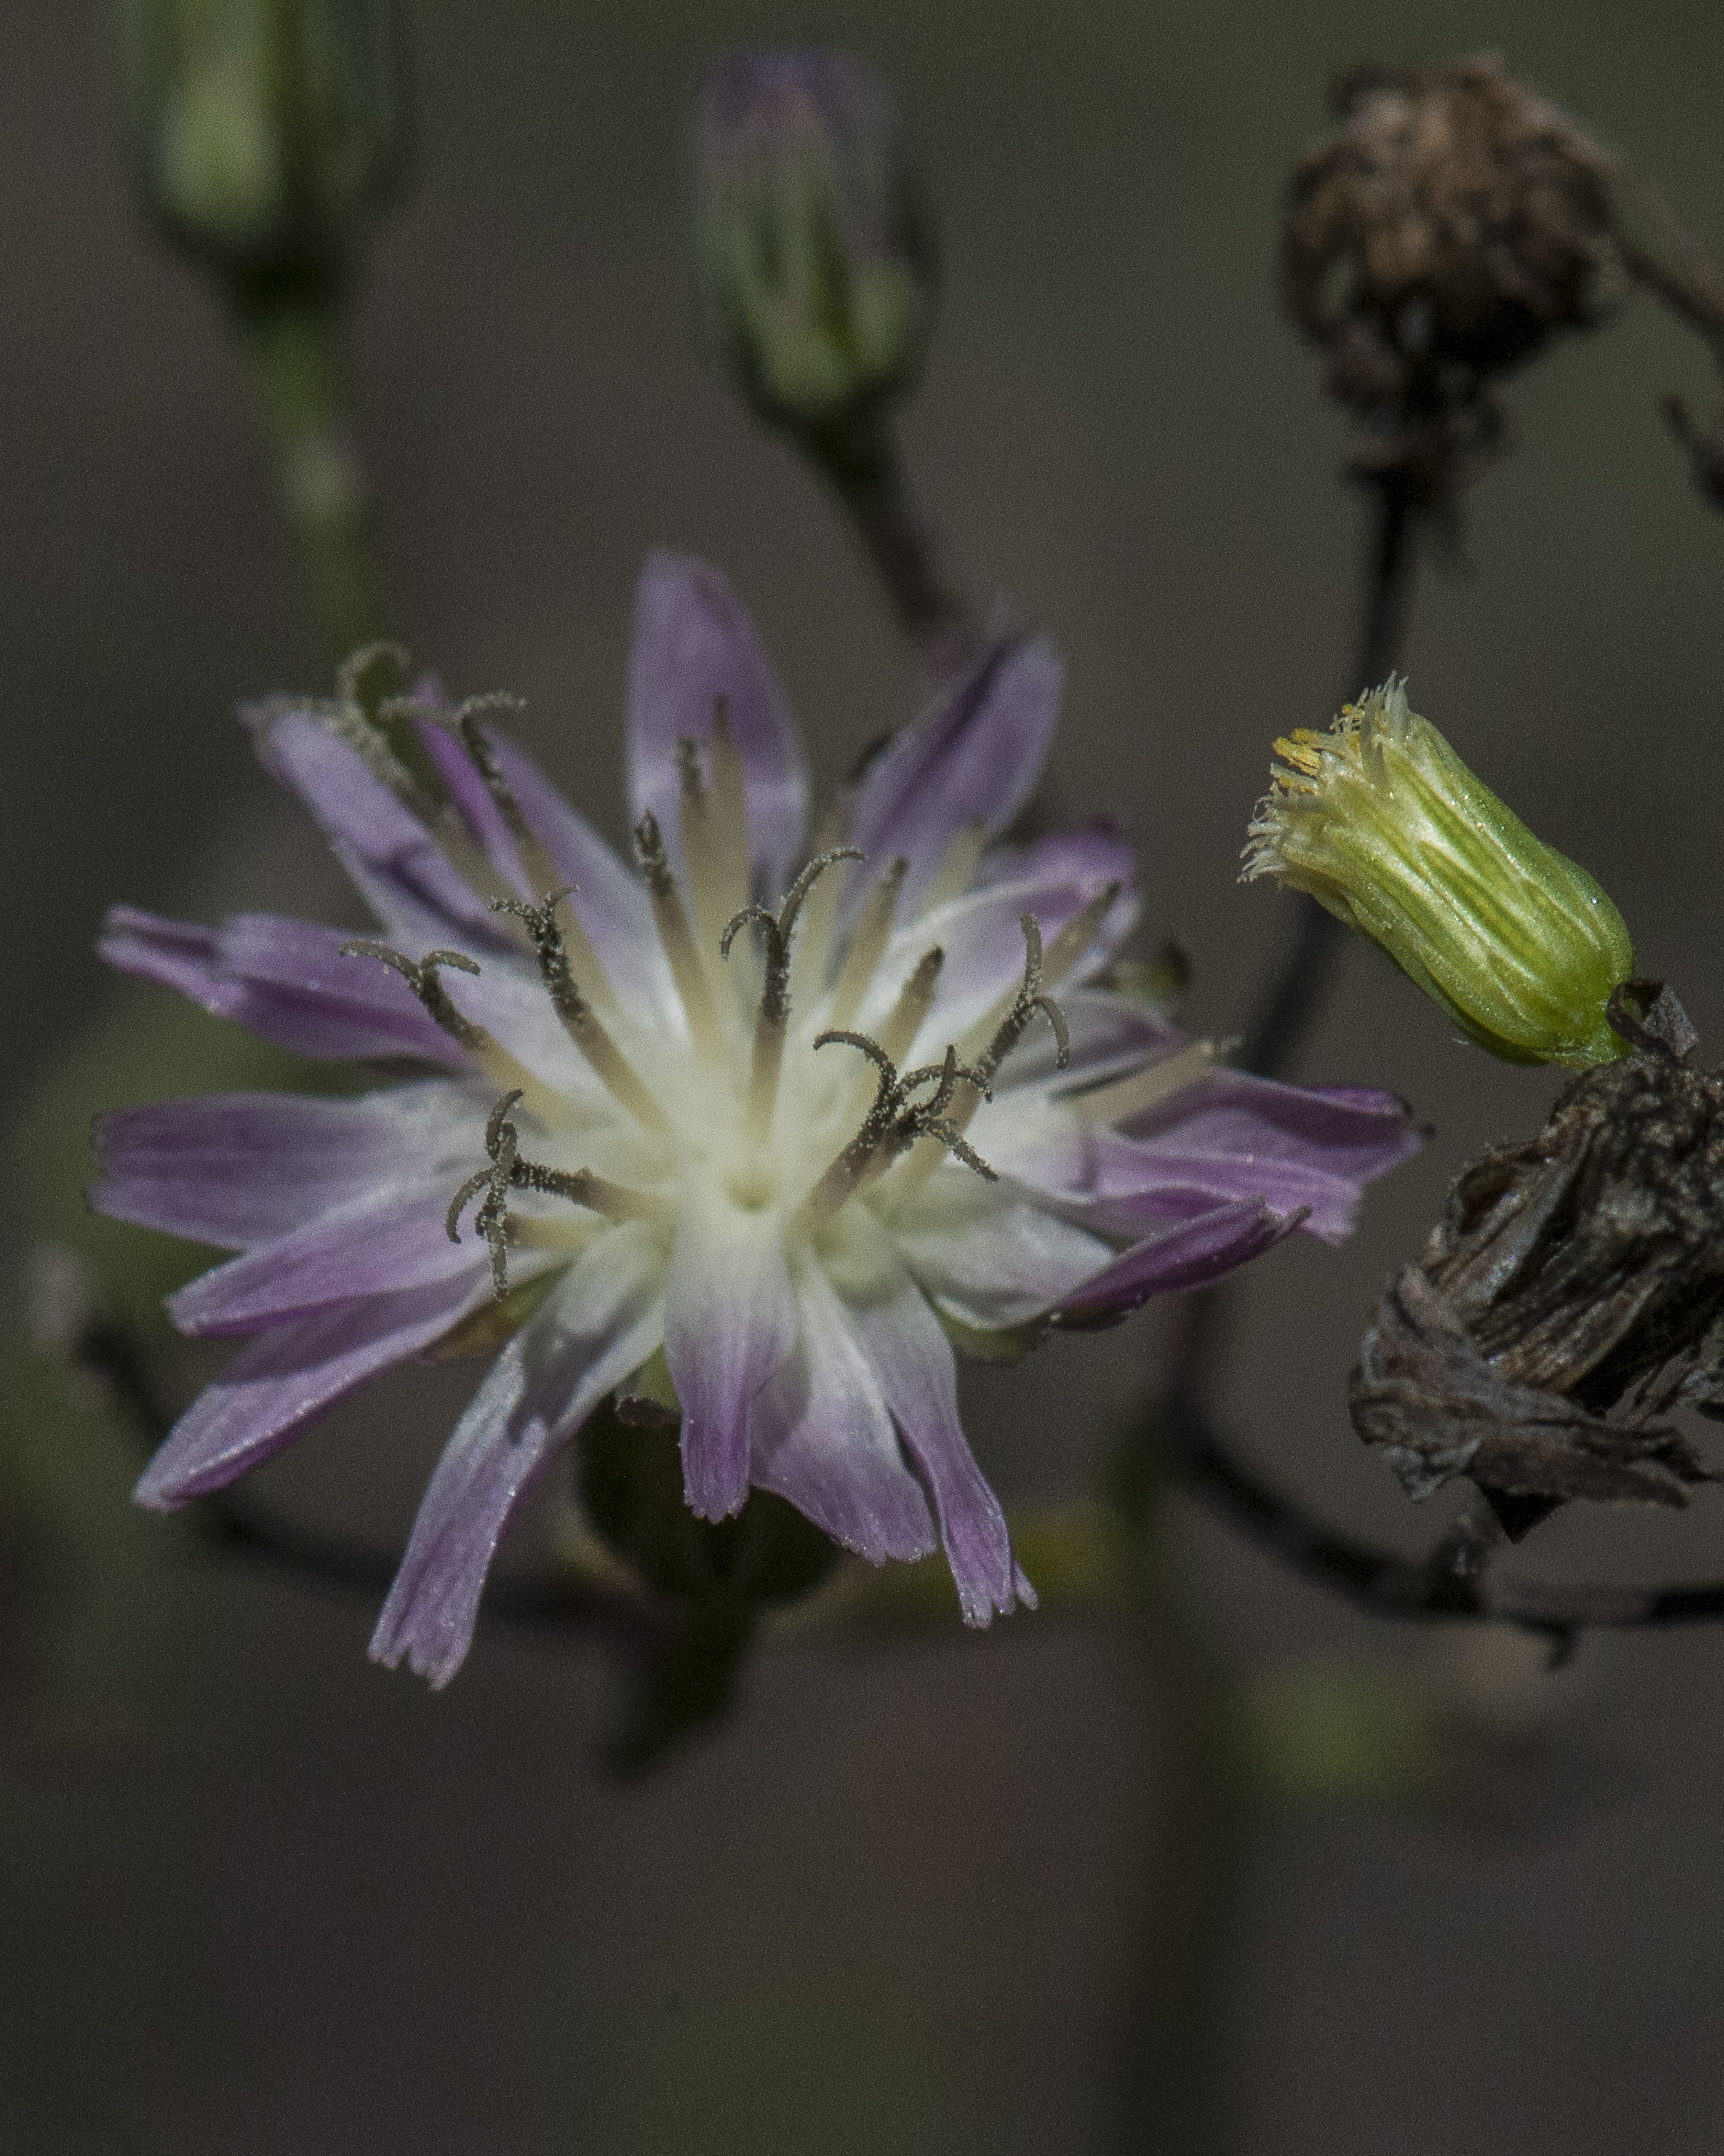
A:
263, 131
815, 249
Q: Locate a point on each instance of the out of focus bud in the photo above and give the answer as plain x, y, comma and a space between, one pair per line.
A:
815, 247
1381, 823
263, 133
1452, 227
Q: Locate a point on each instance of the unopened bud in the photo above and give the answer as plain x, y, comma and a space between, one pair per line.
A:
1381, 823
264, 131
815, 247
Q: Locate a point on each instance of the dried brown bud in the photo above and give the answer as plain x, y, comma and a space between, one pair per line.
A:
1455, 222
1573, 1294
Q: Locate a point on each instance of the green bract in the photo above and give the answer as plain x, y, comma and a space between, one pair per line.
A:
263, 130
1381, 823
815, 253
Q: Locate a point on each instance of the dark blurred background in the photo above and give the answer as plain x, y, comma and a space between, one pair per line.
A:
255, 1894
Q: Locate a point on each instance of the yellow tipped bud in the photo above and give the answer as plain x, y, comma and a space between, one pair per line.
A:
1381, 823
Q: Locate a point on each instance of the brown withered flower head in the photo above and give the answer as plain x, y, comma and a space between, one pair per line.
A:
1452, 226
1572, 1296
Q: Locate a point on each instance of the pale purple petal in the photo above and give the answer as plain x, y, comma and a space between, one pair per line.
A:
1095, 853
982, 938
276, 1386
694, 642
1303, 1146
912, 1363
479, 811
974, 757
1227, 1136
177, 954
610, 899
389, 854
1144, 1185
1347, 1130
298, 967
239, 1168
821, 1438
992, 1260
1120, 1185
281, 980
386, 1240
1190, 1254
602, 1323
1109, 1035
730, 1321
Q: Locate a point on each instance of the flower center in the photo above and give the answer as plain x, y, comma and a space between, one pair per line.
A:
716, 1102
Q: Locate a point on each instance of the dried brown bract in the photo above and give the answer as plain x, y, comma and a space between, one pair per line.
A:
1453, 225
1572, 1296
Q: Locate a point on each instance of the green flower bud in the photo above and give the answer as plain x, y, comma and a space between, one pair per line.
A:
1381, 823
263, 131
815, 249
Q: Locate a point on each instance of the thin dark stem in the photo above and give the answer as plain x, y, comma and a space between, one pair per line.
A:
1451, 1582
865, 463
1290, 1002
228, 1526
1173, 2092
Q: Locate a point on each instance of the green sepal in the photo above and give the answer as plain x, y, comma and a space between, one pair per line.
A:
494, 1324
987, 1343
631, 1486
717, 1576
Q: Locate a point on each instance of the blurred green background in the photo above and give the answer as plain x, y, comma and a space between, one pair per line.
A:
258, 1896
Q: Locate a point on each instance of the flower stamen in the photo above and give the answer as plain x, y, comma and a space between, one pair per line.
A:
891, 1128
535, 857
710, 898
608, 1062
729, 803
772, 1018
1147, 1089
976, 1080
493, 1059
508, 1172
676, 938
915, 1000
867, 945
810, 959
957, 866
1029, 999
1078, 933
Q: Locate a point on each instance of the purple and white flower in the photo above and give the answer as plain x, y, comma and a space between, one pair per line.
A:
798, 1143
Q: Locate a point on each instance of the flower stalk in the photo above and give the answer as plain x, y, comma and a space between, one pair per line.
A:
293, 341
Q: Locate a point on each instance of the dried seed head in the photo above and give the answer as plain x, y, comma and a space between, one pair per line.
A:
1572, 1296
1453, 224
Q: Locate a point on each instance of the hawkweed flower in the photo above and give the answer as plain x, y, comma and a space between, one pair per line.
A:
755, 1131
1381, 823
814, 243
